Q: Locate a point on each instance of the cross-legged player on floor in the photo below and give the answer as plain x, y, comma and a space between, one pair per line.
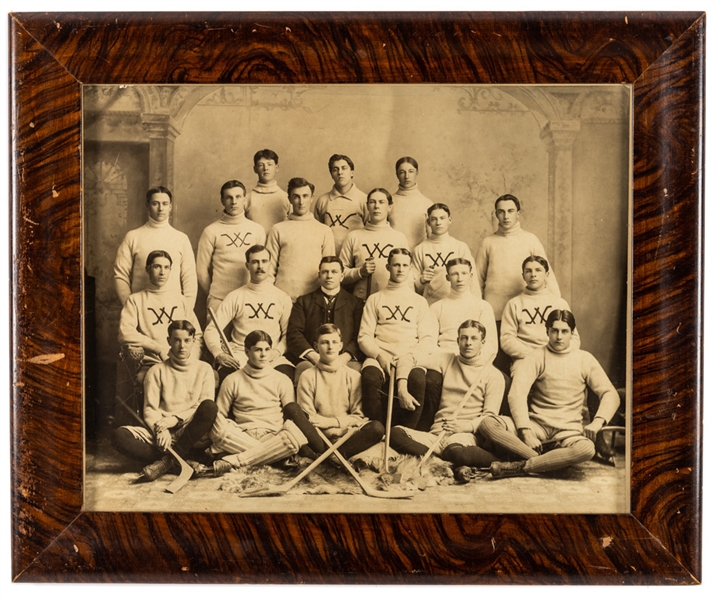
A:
546, 400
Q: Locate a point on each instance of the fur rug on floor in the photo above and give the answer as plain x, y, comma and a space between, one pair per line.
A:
331, 477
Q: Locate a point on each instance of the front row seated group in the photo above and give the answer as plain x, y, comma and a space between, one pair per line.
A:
343, 356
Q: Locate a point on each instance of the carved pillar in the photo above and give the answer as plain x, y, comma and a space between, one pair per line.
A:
162, 133
559, 137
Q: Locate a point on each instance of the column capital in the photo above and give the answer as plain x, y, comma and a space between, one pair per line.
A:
560, 135
160, 126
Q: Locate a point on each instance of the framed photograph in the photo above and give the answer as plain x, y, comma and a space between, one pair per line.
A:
593, 121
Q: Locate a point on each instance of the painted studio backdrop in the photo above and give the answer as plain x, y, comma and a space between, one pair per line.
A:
562, 150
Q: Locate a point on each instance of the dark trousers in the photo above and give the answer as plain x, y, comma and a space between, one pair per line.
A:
375, 397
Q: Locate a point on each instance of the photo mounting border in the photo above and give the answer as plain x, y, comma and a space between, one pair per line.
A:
53, 55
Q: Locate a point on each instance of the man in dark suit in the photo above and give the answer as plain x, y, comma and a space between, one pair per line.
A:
327, 304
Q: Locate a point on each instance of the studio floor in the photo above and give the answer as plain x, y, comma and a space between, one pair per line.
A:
591, 488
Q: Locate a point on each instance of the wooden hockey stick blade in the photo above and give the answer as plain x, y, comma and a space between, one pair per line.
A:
368, 490
185, 475
223, 338
283, 489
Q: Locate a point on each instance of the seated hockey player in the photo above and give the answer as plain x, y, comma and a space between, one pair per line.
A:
471, 389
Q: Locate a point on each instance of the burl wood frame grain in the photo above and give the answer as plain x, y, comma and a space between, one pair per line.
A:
52, 55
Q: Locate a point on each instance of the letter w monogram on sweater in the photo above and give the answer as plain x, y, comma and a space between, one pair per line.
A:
162, 314
538, 313
260, 309
336, 220
397, 311
376, 251
238, 237
438, 260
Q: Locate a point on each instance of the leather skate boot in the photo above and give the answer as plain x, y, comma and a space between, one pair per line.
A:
158, 468
463, 474
499, 470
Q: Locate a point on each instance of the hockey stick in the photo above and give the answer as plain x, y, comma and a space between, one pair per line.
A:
368, 490
283, 489
389, 411
435, 445
222, 337
186, 471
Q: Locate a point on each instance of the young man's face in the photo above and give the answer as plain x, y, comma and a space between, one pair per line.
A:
535, 276
439, 221
459, 277
233, 201
159, 271
266, 170
342, 173
559, 336
470, 342
406, 174
258, 355
159, 207
329, 345
258, 266
507, 214
181, 343
330, 275
379, 208
399, 266
301, 200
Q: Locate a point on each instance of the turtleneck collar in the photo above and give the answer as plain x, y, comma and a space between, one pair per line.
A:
566, 351
260, 287
393, 285
256, 373
157, 224
530, 292
513, 231
402, 191
308, 216
472, 362
454, 295
181, 364
441, 237
155, 289
378, 227
230, 220
266, 188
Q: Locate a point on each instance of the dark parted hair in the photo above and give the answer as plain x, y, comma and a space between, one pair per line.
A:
389, 199
395, 251
156, 253
254, 250
267, 154
407, 159
331, 259
335, 157
181, 324
256, 336
511, 197
561, 315
471, 323
539, 259
298, 182
232, 183
328, 328
438, 206
160, 189
458, 261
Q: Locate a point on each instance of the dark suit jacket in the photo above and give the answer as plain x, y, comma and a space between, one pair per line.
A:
308, 314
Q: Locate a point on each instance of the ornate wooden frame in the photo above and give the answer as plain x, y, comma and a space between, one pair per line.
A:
662, 55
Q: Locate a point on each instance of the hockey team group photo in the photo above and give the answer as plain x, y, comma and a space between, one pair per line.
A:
357, 298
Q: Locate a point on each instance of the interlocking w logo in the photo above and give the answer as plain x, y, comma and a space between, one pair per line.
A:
238, 237
439, 260
538, 314
162, 314
259, 311
397, 311
336, 220
378, 252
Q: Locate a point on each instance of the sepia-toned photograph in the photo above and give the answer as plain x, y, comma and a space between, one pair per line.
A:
357, 298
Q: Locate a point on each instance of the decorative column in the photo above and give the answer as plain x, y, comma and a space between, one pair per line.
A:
559, 137
162, 132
